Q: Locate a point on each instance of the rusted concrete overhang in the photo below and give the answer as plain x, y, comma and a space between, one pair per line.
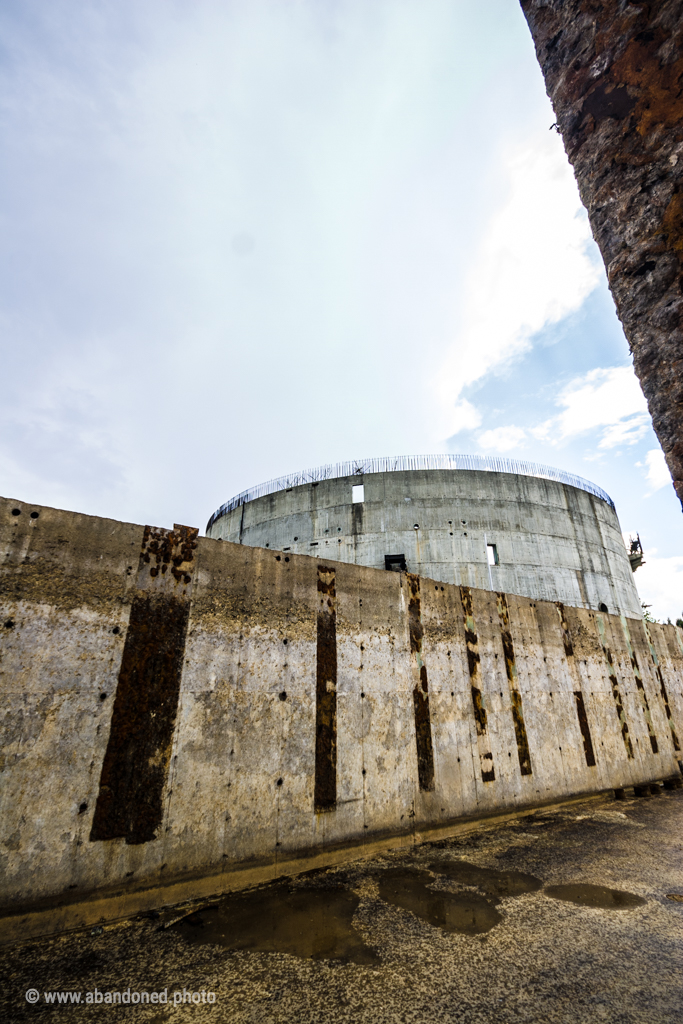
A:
614, 74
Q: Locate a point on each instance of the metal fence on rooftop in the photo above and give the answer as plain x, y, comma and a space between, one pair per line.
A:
401, 463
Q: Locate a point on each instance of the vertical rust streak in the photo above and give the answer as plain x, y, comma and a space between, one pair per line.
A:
325, 788
639, 685
423, 726
523, 753
588, 751
135, 767
616, 694
585, 731
474, 665
423, 734
662, 687
665, 700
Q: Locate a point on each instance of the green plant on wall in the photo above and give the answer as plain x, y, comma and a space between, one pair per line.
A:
646, 613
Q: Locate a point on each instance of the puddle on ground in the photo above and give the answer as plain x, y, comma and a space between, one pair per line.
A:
313, 923
490, 880
594, 896
467, 912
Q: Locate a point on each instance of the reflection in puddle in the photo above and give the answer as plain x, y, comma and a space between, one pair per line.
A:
594, 896
313, 923
468, 912
490, 880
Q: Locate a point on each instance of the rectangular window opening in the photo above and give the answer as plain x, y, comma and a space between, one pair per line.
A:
358, 493
492, 553
395, 563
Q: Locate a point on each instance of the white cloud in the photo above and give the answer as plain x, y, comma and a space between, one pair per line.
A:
625, 432
606, 401
465, 416
660, 584
607, 397
658, 474
501, 439
533, 267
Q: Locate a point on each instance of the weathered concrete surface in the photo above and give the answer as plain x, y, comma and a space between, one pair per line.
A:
545, 960
210, 746
554, 542
613, 72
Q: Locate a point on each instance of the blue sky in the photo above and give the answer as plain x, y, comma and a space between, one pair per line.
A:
243, 238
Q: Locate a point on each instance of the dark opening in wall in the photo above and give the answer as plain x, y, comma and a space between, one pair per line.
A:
395, 563
492, 554
602, 607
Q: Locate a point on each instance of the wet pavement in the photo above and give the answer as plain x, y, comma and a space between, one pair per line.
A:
566, 915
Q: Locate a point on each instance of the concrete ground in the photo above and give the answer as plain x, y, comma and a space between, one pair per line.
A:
558, 916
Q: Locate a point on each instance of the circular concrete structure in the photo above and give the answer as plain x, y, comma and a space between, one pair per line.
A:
489, 523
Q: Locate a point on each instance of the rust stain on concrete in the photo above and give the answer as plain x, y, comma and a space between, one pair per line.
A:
513, 683
639, 685
585, 731
488, 773
129, 802
423, 726
325, 785
588, 751
662, 688
614, 683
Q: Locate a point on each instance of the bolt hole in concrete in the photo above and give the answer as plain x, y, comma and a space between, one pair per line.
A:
34, 515
16, 511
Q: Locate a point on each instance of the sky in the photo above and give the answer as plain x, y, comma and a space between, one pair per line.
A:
247, 237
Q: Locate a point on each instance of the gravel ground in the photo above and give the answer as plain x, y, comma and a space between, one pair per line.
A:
411, 937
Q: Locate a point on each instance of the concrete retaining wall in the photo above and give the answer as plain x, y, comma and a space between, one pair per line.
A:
177, 707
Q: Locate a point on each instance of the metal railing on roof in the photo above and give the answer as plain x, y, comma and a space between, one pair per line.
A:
400, 463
